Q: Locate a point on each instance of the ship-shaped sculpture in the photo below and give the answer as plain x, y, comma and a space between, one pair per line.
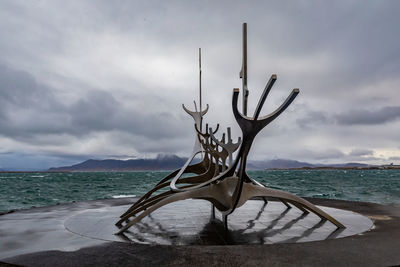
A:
220, 177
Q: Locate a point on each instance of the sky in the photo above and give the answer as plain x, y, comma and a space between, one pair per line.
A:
106, 79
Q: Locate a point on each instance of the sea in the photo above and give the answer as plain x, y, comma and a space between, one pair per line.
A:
26, 190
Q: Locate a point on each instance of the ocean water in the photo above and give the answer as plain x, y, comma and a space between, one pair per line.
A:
24, 190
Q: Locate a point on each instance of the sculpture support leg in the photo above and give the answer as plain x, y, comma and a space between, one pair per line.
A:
225, 221
199, 193
265, 200
285, 203
302, 204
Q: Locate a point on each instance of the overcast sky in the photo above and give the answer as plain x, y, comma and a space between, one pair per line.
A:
106, 79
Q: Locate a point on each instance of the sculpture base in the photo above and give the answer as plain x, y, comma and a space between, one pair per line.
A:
190, 222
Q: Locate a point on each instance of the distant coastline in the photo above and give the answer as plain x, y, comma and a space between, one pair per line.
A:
172, 162
383, 167
378, 167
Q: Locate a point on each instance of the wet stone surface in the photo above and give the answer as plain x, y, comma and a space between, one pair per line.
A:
190, 223
71, 227
39, 237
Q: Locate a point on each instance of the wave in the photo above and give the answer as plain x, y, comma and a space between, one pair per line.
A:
122, 196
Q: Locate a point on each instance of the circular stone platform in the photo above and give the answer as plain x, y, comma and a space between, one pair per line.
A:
189, 222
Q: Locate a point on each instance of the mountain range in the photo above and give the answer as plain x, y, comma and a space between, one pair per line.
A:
170, 162
161, 162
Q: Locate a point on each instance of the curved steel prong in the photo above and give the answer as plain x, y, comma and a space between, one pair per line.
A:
198, 131
187, 110
195, 113
229, 146
250, 126
224, 153
228, 130
216, 129
269, 118
208, 130
240, 119
203, 112
218, 142
230, 141
264, 95
195, 106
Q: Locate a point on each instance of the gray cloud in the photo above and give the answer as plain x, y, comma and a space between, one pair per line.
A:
18, 88
102, 78
361, 152
312, 118
328, 154
364, 116
29, 109
97, 111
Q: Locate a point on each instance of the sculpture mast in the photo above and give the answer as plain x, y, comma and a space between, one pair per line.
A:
200, 84
201, 115
243, 72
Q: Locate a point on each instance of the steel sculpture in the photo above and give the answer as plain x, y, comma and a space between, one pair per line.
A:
220, 177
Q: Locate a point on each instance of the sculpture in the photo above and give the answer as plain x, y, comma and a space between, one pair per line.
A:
221, 178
